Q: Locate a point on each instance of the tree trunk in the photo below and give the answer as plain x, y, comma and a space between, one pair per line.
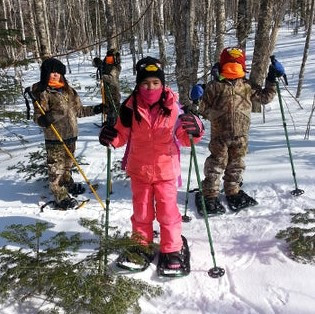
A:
279, 11
220, 27
22, 29
306, 49
33, 29
261, 49
243, 23
41, 28
187, 50
111, 29
206, 40
159, 25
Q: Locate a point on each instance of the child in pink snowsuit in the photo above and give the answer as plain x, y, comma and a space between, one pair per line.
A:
151, 120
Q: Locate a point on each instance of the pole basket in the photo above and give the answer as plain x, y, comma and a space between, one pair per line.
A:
186, 218
216, 272
297, 192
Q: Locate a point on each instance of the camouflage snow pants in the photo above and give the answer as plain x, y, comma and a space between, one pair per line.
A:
227, 155
59, 169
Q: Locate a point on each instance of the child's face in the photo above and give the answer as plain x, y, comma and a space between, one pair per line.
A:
151, 83
54, 76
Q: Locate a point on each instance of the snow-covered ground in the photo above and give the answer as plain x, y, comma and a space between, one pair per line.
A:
259, 277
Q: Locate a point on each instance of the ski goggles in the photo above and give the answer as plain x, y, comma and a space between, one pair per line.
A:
151, 67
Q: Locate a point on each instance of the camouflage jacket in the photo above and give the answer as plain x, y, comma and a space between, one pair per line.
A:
228, 105
112, 88
65, 107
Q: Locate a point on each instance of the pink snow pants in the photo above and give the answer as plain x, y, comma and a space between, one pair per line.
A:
158, 199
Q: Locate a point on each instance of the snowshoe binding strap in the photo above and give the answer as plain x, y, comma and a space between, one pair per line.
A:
176, 264
240, 201
76, 189
213, 206
134, 260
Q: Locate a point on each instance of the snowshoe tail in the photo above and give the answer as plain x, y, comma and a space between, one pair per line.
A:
240, 201
183, 258
213, 206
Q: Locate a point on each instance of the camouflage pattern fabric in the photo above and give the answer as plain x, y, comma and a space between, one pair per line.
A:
227, 155
59, 169
228, 104
65, 107
111, 85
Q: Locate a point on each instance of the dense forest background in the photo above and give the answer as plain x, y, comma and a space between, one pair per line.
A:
32, 30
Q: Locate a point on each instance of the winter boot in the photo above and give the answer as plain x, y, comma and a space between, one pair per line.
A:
136, 259
174, 264
67, 203
76, 189
213, 205
240, 201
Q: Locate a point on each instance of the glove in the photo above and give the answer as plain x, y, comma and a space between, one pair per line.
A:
196, 93
215, 70
98, 109
107, 134
276, 69
45, 120
190, 124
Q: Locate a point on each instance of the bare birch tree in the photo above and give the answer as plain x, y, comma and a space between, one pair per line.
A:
219, 27
187, 50
261, 49
159, 25
111, 29
41, 29
243, 23
306, 49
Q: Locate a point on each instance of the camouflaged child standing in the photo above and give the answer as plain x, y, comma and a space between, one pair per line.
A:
227, 103
62, 107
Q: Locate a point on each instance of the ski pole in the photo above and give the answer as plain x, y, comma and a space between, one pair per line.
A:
216, 271
28, 90
296, 191
186, 218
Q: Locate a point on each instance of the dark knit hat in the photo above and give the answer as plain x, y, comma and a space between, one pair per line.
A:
49, 66
149, 67
233, 54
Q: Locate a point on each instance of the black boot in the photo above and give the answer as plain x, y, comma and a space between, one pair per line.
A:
240, 201
67, 203
174, 264
76, 189
213, 205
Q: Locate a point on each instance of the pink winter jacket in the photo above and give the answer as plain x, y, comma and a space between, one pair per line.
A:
153, 152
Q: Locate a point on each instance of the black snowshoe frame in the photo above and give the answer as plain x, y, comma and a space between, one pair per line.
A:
240, 201
54, 206
124, 260
213, 208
